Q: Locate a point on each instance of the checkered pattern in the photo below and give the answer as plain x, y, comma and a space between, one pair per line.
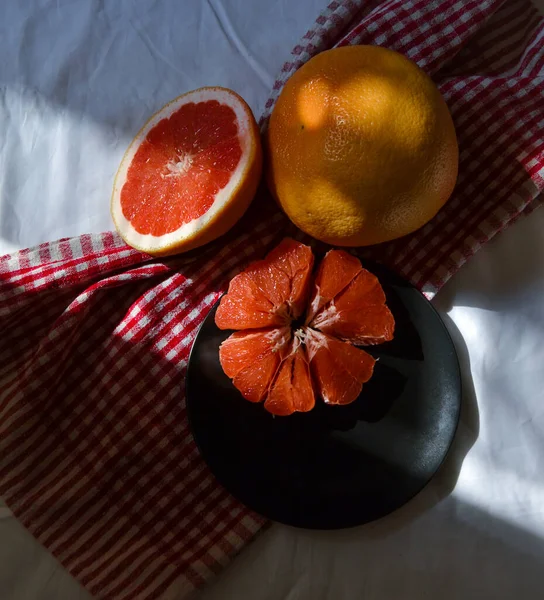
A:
96, 458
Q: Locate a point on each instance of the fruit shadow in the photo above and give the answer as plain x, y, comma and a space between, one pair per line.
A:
373, 404
444, 556
377, 397
407, 341
379, 394
444, 481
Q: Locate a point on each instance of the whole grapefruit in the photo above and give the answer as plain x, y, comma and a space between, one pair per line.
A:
361, 147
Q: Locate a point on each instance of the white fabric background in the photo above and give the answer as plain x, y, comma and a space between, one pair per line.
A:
77, 79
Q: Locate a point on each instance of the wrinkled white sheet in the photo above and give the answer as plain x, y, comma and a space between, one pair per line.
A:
77, 79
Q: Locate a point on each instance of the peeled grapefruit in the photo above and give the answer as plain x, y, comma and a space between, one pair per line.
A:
189, 174
361, 147
296, 335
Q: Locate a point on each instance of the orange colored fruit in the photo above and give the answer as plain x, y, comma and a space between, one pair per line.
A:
270, 292
340, 369
251, 359
354, 310
292, 389
295, 337
189, 174
336, 271
362, 147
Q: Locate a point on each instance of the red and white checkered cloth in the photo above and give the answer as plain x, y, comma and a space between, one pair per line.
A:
96, 458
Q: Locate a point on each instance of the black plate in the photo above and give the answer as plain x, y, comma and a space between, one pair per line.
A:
337, 466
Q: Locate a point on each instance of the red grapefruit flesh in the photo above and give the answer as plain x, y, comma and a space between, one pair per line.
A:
292, 390
336, 271
287, 368
358, 313
246, 307
339, 369
367, 326
270, 292
251, 360
189, 174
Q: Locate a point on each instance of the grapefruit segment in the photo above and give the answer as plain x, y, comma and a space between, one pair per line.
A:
336, 271
292, 264
189, 174
270, 292
251, 359
367, 326
246, 307
339, 368
292, 390
253, 381
364, 290
242, 348
358, 313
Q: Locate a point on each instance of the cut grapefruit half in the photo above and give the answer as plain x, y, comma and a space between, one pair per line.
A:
189, 174
307, 348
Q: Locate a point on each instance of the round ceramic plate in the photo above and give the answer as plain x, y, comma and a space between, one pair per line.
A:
337, 466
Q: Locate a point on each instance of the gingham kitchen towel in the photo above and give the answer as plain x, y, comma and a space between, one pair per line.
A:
96, 458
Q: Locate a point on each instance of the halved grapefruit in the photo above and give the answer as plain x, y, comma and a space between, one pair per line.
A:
189, 174
307, 347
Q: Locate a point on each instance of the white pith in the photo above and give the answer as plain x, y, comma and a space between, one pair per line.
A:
314, 306
312, 339
279, 337
315, 340
181, 166
154, 243
327, 316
